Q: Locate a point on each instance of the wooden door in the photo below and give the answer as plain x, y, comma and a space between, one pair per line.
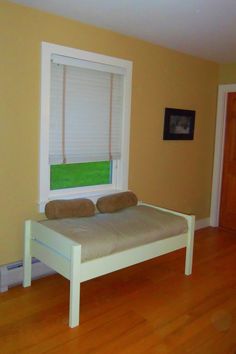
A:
228, 194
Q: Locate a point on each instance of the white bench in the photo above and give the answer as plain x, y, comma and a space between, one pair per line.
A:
64, 256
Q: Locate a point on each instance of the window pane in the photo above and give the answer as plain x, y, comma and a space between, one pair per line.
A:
80, 174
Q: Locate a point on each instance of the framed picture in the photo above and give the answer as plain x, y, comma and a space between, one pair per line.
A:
178, 124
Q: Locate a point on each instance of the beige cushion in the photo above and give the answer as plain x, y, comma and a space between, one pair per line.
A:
108, 233
115, 202
59, 209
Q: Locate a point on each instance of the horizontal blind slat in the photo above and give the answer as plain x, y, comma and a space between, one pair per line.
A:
87, 106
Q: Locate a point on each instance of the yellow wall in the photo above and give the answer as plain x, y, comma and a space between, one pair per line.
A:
170, 173
227, 74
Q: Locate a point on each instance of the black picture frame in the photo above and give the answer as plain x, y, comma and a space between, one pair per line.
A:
178, 124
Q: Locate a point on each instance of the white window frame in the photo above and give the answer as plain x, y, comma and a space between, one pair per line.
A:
121, 167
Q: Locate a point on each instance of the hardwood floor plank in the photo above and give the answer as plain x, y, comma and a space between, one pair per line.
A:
148, 308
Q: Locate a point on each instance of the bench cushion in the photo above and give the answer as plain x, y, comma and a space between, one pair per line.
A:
105, 234
118, 201
59, 209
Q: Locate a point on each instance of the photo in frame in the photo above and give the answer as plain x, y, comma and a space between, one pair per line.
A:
178, 124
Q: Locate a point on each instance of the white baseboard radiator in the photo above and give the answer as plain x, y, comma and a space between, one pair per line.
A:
12, 274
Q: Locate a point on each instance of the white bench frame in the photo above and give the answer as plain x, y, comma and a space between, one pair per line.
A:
64, 256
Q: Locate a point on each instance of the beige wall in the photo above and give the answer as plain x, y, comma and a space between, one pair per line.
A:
169, 173
227, 74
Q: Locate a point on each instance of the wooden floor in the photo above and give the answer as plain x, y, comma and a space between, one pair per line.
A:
148, 308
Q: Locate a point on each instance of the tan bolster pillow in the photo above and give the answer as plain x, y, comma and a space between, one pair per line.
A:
59, 209
115, 202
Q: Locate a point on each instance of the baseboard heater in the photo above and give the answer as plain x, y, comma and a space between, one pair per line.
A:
12, 274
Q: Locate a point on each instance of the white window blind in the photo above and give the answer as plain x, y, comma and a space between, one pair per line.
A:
86, 108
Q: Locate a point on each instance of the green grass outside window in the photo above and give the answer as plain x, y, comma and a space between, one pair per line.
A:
80, 174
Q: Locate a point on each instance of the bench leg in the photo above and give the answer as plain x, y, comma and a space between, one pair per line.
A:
27, 255
75, 287
189, 247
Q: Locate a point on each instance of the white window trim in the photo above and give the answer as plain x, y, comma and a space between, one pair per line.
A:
121, 168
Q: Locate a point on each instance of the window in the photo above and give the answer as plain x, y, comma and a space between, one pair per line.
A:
85, 118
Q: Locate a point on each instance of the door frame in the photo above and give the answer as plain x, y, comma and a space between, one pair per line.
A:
219, 151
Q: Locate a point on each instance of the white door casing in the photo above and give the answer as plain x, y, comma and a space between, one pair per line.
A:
219, 151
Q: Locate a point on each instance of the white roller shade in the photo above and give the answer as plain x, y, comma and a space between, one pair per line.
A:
85, 114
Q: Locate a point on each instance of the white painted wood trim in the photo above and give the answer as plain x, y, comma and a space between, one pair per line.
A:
86, 55
52, 239
199, 224
75, 272
219, 151
121, 171
202, 223
49, 254
64, 256
13, 274
186, 216
189, 246
51, 258
27, 255
104, 265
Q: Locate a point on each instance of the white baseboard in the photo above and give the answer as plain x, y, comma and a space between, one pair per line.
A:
12, 274
200, 224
